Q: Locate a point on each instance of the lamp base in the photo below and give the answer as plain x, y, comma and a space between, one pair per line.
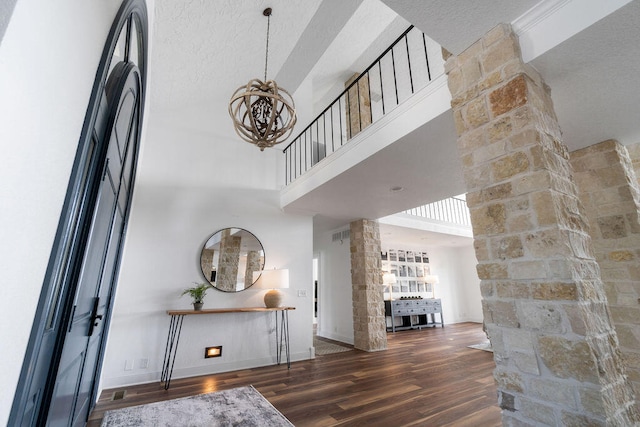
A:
273, 298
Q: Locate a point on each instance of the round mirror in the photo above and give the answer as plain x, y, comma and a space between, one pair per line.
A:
229, 258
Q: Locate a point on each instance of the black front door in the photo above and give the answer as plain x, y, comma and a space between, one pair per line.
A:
77, 372
58, 381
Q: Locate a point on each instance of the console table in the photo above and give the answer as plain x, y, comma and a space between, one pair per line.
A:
421, 310
175, 327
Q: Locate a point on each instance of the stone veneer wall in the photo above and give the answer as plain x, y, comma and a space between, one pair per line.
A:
369, 327
634, 154
556, 353
206, 262
611, 197
228, 260
253, 264
358, 105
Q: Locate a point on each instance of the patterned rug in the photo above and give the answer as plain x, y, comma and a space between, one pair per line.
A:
323, 347
243, 406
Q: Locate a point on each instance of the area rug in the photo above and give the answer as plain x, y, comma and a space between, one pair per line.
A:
243, 406
323, 347
486, 346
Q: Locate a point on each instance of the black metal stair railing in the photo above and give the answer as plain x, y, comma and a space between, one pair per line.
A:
400, 71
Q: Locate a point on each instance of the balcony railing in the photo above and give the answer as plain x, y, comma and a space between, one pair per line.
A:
452, 210
400, 71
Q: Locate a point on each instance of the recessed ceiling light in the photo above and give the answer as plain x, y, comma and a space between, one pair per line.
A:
396, 189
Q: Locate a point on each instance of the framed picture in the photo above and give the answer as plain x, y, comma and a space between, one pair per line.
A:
393, 269
383, 256
401, 256
393, 255
410, 256
402, 270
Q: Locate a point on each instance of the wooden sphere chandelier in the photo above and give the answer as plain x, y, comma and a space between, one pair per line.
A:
263, 114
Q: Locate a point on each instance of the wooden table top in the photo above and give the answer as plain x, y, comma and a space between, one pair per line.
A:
226, 310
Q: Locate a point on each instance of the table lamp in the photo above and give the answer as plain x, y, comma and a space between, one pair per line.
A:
433, 279
389, 280
272, 280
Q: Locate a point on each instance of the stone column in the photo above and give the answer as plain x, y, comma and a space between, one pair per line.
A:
253, 264
228, 260
556, 353
206, 262
634, 154
369, 327
611, 197
358, 105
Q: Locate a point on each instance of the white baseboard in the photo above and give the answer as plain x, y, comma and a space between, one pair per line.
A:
186, 372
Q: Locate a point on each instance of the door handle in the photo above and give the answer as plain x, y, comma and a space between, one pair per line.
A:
95, 317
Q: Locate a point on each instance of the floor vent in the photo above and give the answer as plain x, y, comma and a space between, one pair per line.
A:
119, 395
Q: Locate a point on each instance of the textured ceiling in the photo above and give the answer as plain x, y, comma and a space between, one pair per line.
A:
457, 24
595, 80
204, 50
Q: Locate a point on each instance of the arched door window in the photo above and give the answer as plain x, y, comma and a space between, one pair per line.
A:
58, 382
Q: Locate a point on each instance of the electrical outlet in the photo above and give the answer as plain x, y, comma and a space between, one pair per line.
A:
302, 293
128, 364
143, 363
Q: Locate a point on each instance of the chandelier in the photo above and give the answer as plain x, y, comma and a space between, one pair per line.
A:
263, 114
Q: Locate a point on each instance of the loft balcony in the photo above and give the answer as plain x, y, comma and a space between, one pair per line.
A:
393, 118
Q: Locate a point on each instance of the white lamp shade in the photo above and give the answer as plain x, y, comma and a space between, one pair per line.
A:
389, 279
431, 279
271, 279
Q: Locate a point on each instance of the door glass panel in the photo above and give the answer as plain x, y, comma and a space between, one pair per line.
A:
119, 52
73, 224
134, 50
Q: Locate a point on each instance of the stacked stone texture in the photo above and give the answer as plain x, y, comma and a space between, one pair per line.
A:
206, 262
228, 262
358, 105
634, 153
253, 264
556, 353
609, 192
369, 327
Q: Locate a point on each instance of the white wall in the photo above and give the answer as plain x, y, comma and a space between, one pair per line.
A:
48, 59
335, 303
192, 183
459, 286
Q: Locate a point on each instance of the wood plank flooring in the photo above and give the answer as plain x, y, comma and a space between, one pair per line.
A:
425, 378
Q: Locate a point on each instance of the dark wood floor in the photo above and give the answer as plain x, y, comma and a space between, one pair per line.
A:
425, 378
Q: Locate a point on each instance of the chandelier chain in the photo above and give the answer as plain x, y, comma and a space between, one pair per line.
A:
266, 53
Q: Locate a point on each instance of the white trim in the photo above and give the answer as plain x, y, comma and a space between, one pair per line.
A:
217, 368
551, 22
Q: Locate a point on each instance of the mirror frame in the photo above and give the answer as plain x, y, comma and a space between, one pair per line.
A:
208, 276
